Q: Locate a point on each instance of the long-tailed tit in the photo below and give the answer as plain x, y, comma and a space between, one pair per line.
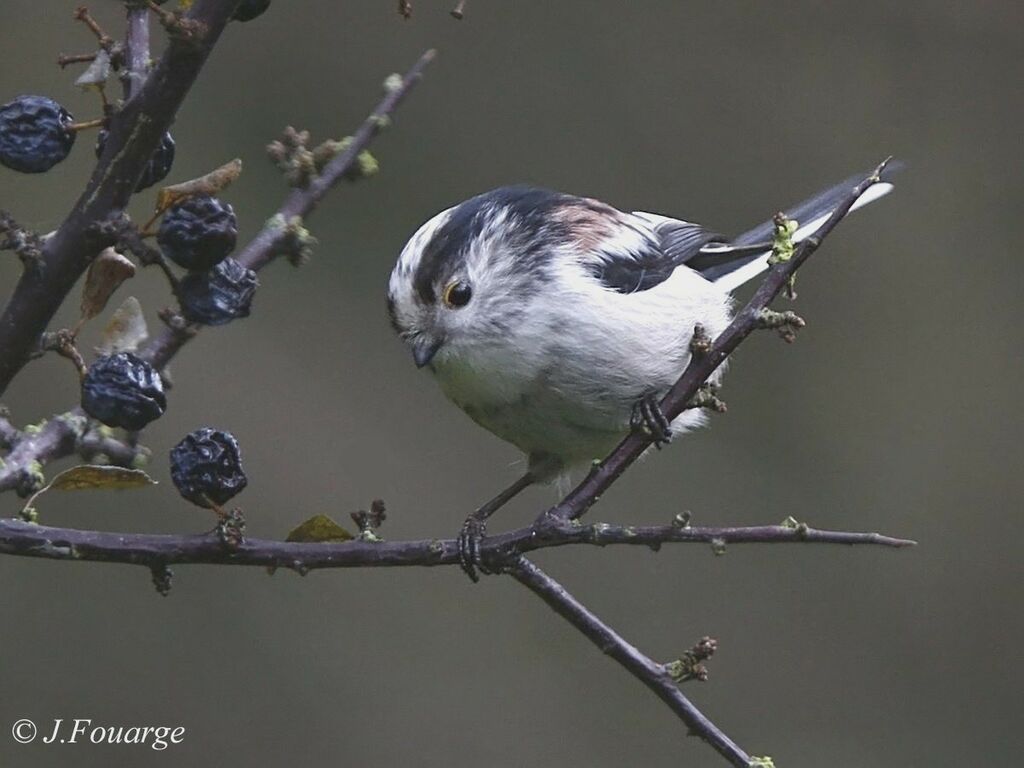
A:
553, 320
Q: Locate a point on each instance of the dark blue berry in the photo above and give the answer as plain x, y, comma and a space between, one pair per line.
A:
206, 467
33, 134
123, 390
218, 296
197, 233
248, 10
159, 164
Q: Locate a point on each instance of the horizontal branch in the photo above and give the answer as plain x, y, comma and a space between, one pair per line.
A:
64, 435
32, 540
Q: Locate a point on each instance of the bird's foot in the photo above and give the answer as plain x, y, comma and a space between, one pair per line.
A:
472, 533
649, 418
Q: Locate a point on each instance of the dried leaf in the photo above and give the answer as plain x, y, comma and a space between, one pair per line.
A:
210, 184
106, 273
319, 528
97, 73
126, 329
91, 476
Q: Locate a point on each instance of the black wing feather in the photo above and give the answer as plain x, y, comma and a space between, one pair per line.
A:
675, 243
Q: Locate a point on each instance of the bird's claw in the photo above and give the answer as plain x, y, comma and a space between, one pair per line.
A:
649, 418
472, 533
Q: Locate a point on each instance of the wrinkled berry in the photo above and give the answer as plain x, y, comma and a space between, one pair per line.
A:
33, 134
248, 10
123, 390
159, 164
218, 296
198, 232
206, 467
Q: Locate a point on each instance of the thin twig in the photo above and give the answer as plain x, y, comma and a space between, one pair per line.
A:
649, 672
271, 240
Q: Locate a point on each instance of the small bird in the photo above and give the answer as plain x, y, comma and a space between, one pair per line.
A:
558, 322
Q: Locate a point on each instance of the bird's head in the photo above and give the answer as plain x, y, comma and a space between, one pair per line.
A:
468, 276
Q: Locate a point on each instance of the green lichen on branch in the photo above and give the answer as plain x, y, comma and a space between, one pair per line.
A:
300, 165
294, 241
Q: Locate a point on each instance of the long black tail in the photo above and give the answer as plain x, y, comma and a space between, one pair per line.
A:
747, 255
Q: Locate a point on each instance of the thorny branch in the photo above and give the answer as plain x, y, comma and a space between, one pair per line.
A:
134, 132
60, 437
53, 266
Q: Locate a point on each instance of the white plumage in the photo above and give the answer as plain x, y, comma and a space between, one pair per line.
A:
577, 311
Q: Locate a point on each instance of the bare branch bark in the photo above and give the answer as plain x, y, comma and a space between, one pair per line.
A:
32, 540
133, 135
652, 674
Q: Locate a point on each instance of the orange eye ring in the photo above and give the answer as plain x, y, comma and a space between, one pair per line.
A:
457, 294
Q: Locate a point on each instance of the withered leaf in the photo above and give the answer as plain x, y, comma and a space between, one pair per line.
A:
91, 476
97, 73
106, 273
126, 329
210, 184
319, 528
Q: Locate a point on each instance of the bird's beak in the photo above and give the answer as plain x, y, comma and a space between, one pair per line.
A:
423, 351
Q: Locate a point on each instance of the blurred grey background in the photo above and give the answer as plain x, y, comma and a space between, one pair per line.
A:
897, 410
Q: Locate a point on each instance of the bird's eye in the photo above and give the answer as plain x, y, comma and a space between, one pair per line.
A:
457, 294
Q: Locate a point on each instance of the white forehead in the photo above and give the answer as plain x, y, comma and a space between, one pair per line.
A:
411, 254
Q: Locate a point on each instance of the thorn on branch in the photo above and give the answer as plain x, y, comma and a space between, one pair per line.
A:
64, 59
63, 343
682, 520
163, 578
178, 25
690, 666
82, 14
786, 323
459, 11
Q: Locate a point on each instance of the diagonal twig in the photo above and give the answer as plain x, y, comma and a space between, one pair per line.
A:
746, 321
652, 674
271, 240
